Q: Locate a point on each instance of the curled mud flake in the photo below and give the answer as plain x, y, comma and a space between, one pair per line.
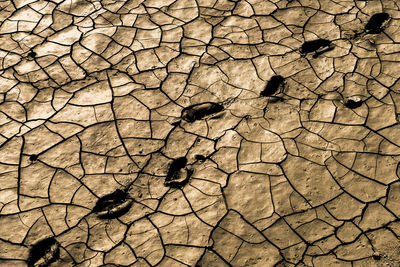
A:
318, 46
353, 102
113, 205
44, 252
273, 85
199, 111
33, 157
178, 175
377, 23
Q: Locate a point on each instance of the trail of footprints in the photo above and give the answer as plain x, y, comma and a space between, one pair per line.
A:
192, 134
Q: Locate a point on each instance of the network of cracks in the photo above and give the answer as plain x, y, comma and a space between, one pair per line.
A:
200, 133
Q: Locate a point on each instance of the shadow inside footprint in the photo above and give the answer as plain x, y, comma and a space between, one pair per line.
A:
199, 111
44, 252
113, 205
353, 103
273, 85
377, 23
178, 175
319, 46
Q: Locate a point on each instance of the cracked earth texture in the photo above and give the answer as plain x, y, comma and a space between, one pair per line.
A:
200, 133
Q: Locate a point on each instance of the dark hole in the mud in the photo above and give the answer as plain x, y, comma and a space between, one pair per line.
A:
44, 252
178, 175
353, 103
375, 23
273, 85
199, 111
376, 257
32, 54
313, 46
200, 157
113, 205
33, 157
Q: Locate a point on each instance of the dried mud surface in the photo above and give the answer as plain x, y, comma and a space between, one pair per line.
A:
199, 133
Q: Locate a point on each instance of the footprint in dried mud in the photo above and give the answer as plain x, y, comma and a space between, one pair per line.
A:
273, 85
178, 175
353, 102
318, 46
44, 252
113, 205
377, 23
199, 111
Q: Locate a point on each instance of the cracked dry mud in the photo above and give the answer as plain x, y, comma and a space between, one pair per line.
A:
200, 133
